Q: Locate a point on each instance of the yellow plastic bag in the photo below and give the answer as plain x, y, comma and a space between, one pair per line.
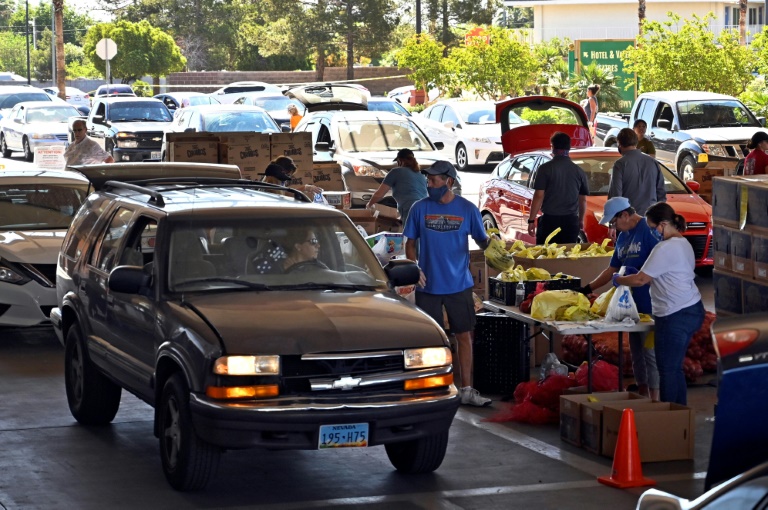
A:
537, 273
600, 306
547, 305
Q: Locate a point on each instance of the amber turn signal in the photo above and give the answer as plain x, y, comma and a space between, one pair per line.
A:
237, 392
429, 382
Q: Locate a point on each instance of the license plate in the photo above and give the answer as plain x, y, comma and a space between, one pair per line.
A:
155, 155
348, 435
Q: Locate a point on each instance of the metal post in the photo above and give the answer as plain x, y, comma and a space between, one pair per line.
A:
53, 45
418, 16
34, 34
29, 79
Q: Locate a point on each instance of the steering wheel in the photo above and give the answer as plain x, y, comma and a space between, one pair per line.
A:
307, 265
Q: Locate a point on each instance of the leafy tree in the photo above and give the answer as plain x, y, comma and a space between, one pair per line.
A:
142, 88
514, 17
552, 78
75, 24
13, 53
760, 49
76, 63
717, 63
609, 97
422, 55
756, 97
504, 67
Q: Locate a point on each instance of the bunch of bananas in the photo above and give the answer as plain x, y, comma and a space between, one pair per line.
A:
519, 273
496, 254
545, 251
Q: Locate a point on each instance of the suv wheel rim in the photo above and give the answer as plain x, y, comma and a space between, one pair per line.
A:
172, 432
76, 372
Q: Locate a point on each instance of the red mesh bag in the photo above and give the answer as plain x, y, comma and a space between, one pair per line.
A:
536, 402
605, 377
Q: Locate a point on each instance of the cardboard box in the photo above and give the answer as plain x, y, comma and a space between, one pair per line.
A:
297, 146
372, 222
755, 295
586, 268
721, 242
326, 176
665, 431
757, 204
571, 411
741, 252
194, 151
592, 417
725, 201
760, 257
250, 153
479, 271
728, 292
386, 211
339, 199
705, 175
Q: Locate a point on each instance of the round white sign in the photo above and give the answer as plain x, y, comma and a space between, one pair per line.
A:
106, 49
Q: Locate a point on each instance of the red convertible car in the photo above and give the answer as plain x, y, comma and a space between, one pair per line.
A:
505, 199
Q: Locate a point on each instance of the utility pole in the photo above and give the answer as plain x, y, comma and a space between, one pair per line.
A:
34, 34
29, 79
53, 47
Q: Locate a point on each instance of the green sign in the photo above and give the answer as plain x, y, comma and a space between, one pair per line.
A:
607, 55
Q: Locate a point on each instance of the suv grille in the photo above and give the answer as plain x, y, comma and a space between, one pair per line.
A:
152, 140
699, 243
297, 371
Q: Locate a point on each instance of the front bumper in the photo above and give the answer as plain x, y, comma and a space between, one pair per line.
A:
35, 143
484, 153
25, 305
122, 155
293, 423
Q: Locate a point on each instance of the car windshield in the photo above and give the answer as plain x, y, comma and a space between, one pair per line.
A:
297, 253
273, 104
137, 112
598, 170
52, 114
259, 122
476, 113
715, 113
37, 206
11, 100
196, 100
388, 106
376, 135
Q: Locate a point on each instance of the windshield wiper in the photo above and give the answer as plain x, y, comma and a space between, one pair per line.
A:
329, 286
217, 279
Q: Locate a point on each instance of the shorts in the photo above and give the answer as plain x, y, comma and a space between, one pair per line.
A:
459, 307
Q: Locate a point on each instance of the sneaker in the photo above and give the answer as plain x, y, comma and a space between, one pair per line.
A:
470, 396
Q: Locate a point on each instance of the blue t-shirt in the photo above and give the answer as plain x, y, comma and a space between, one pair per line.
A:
632, 250
408, 187
443, 231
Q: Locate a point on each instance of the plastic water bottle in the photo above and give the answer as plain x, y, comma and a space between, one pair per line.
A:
519, 293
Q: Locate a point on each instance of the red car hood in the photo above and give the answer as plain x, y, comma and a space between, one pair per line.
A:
517, 140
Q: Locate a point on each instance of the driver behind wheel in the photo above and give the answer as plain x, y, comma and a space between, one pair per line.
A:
302, 247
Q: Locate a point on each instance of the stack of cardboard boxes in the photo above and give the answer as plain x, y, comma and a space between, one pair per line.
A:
740, 238
706, 175
252, 152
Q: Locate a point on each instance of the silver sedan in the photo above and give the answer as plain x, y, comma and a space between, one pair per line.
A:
35, 124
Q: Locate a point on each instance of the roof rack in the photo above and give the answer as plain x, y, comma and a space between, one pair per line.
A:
198, 182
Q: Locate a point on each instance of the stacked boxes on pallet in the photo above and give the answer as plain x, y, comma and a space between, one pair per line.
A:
740, 237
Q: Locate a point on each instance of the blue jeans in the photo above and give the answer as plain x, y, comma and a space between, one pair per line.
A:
673, 334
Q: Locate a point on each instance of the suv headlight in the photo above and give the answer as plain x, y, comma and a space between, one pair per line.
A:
714, 150
42, 136
10, 273
365, 169
247, 365
127, 141
427, 357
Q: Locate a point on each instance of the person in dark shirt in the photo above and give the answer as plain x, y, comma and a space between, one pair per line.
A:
561, 191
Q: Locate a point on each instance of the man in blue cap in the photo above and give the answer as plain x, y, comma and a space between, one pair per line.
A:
633, 245
440, 226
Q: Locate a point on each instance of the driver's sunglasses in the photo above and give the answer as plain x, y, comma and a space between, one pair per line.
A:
313, 241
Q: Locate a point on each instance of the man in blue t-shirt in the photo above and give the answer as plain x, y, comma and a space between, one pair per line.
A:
633, 245
406, 181
439, 226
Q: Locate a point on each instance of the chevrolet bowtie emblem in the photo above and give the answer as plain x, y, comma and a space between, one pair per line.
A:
346, 383
156, 139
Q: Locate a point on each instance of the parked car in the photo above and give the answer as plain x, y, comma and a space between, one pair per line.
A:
74, 96
275, 105
114, 90
739, 441
746, 491
11, 95
219, 119
228, 93
505, 199
173, 100
157, 293
36, 209
688, 128
35, 124
385, 104
330, 96
131, 128
469, 128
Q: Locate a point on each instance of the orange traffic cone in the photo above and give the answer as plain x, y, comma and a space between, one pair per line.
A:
627, 467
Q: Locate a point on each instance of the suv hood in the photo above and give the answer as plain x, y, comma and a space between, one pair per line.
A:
724, 134
300, 322
32, 247
140, 126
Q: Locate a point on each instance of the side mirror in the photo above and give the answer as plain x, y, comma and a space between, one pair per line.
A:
664, 123
439, 145
402, 272
97, 119
322, 147
190, 130
695, 186
449, 124
761, 120
128, 279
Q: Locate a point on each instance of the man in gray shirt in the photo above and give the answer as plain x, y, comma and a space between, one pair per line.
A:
635, 175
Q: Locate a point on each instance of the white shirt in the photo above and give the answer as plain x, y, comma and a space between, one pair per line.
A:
671, 264
87, 152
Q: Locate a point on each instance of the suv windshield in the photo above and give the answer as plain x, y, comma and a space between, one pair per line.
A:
714, 113
39, 206
289, 254
137, 112
219, 122
380, 135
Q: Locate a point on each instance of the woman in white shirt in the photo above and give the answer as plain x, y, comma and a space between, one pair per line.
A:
676, 302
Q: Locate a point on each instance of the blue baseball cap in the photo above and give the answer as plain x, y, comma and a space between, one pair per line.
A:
442, 168
614, 206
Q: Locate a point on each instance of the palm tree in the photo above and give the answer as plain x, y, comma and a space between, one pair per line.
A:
609, 97
61, 70
640, 16
743, 22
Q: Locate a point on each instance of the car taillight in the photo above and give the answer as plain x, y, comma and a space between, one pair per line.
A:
729, 342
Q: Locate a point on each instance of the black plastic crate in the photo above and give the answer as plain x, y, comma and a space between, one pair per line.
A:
501, 353
504, 292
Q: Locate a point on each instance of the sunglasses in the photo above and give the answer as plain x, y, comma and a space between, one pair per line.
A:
313, 241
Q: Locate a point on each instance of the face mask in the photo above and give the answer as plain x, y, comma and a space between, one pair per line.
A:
658, 235
437, 194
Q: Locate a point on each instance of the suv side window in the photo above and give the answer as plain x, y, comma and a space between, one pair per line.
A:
105, 256
81, 227
521, 170
139, 249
